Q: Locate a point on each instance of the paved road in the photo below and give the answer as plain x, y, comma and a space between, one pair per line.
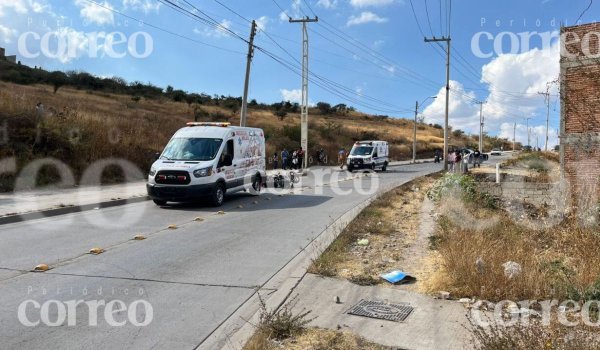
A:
194, 277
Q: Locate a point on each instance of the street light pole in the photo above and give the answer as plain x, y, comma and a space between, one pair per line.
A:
528, 133
414, 158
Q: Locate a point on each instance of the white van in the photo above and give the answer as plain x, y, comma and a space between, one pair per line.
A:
371, 155
208, 160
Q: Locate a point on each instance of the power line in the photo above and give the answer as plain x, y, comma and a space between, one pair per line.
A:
281, 8
163, 29
428, 19
584, 11
416, 19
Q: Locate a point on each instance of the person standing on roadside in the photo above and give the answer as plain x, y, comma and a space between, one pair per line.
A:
477, 159
300, 158
342, 158
275, 161
466, 157
284, 159
457, 161
451, 160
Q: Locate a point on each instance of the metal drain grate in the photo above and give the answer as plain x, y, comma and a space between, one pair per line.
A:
381, 310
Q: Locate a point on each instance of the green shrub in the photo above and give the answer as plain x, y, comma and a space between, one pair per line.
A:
466, 186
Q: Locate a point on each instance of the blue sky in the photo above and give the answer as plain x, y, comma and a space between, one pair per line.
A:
372, 50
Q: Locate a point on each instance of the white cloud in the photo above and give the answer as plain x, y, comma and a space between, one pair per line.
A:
537, 136
93, 13
283, 17
291, 95
463, 114
145, 6
365, 17
262, 22
78, 44
219, 32
19, 6
515, 80
367, 3
526, 74
328, 4
7, 34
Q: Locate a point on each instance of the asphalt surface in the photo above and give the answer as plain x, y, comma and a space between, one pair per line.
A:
193, 277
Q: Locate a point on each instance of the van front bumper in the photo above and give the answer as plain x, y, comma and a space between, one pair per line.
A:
179, 193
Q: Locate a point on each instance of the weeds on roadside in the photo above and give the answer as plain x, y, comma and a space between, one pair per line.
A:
533, 336
282, 323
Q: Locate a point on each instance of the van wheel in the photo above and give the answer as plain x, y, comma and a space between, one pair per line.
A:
256, 185
159, 202
384, 166
218, 196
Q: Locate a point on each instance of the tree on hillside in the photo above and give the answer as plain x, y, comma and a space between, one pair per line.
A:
57, 79
324, 107
281, 114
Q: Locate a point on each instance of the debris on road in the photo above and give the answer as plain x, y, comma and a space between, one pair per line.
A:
199, 219
139, 237
220, 212
96, 251
41, 268
444, 295
396, 277
363, 242
172, 227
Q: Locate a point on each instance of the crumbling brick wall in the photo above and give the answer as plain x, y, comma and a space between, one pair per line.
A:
580, 113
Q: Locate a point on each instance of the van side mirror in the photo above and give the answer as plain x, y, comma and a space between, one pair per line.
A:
156, 155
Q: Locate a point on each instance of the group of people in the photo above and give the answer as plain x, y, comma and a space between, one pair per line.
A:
459, 160
293, 160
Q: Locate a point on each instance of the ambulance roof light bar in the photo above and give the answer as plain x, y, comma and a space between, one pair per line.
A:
220, 124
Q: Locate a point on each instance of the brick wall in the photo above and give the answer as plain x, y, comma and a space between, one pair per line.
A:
580, 112
538, 194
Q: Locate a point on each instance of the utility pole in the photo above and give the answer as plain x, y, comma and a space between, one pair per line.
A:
447, 40
304, 107
244, 112
415, 128
481, 103
415, 134
514, 137
547, 100
528, 133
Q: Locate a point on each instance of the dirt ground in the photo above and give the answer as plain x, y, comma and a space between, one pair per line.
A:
397, 239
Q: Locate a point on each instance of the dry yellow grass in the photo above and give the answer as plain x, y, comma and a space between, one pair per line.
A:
313, 339
558, 262
83, 126
391, 225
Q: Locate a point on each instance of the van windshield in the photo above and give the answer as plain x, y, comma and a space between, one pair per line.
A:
362, 151
192, 149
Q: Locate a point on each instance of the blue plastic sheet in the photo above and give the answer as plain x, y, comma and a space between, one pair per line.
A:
398, 277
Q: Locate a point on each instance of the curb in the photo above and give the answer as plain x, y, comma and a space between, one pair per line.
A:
235, 331
16, 218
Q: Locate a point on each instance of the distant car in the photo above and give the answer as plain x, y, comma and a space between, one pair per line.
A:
496, 152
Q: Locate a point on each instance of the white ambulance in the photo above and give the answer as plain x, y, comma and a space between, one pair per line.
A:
208, 160
371, 155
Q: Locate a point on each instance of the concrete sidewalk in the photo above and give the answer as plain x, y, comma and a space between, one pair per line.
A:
48, 199
433, 324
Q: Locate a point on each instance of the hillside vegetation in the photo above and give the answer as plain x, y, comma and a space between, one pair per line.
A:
87, 118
